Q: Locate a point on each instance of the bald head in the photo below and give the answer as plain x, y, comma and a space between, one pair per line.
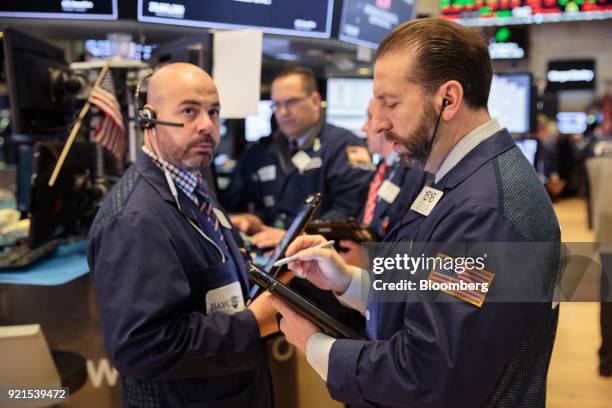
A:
176, 77
184, 93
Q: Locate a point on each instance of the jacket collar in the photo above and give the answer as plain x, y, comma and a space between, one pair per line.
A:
476, 158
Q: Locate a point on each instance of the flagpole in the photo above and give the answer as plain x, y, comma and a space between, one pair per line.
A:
75, 128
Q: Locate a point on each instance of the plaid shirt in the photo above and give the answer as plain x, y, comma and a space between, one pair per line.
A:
186, 181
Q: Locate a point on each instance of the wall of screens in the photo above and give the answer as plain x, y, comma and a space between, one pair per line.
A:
310, 18
503, 12
64, 9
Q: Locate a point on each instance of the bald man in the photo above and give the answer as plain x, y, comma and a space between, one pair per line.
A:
169, 276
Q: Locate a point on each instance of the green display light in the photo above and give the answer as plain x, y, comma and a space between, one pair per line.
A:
502, 35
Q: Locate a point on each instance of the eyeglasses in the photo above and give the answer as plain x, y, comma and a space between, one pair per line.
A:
288, 104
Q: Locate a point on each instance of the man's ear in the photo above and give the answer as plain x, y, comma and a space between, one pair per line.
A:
451, 99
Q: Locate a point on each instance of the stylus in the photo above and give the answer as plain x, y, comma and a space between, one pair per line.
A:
284, 261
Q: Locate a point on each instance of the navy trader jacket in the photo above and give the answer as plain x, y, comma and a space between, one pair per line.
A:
269, 185
454, 354
155, 278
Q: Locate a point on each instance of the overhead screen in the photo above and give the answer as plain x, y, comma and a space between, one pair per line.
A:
65, 9
503, 12
367, 22
347, 102
310, 18
510, 101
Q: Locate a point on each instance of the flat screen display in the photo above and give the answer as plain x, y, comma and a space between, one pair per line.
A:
503, 12
510, 101
65, 9
572, 122
347, 102
259, 126
311, 18
367, 22
571, 75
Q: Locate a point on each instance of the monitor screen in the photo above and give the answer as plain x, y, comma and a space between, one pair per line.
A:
507, 43
347, 102
565, 75
367, 22
40, 101
65, 9
101, 49
310, 18
572, 122
510, 101
259, 126
529, 147
491, 13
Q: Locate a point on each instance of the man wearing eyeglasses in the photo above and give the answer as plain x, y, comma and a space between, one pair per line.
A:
305, 156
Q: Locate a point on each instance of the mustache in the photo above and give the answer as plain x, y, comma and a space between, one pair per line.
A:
203, 139
392, 137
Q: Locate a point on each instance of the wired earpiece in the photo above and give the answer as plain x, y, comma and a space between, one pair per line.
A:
147, 117
445, 103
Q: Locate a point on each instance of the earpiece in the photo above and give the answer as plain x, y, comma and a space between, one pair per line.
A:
445, 103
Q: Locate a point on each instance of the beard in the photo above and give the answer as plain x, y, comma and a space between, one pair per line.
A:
418, 143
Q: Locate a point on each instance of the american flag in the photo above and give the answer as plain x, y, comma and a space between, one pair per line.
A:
110, 133
476, 276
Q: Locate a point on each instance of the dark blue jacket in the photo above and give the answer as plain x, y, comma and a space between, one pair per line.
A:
343, 183
452, 353
152, 271
388, 214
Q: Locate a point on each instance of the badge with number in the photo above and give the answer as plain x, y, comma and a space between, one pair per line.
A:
300, 160
388, 191
426, 201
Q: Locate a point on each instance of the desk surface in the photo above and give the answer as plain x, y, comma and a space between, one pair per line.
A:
67, 263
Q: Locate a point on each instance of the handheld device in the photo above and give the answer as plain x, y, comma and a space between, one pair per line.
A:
302, 305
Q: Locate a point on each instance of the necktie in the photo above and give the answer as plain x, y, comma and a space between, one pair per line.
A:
292, 149
206, 208
368, 214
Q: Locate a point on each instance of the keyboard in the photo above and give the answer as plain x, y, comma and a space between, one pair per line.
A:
20, 256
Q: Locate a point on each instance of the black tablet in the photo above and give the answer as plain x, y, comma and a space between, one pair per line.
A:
311, 204
346, 228
302, 305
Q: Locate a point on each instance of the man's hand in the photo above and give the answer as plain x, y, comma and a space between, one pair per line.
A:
265, 314
247, 223
323, 267
268, 237
354, 254
297, 330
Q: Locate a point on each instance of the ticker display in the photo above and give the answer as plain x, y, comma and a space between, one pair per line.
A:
503, 12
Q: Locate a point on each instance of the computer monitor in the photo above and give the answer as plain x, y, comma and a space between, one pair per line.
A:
37, 88
66, 9
195, 49
311, 18
347, 102
529, 147
367, 22
572, 122
511, 102
67, 208
259, 126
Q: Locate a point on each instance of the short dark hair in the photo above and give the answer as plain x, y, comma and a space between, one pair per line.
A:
444, 51
309, 81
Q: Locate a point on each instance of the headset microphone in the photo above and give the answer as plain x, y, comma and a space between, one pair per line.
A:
147, 118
